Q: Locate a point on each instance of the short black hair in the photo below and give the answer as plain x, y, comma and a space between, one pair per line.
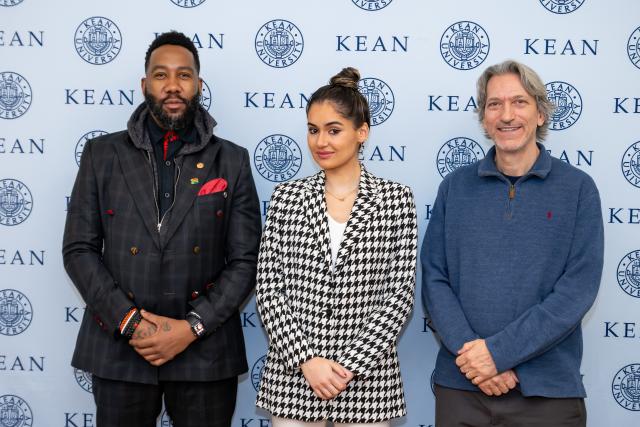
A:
174, 38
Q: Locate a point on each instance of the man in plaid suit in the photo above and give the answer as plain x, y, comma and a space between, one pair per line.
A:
161, 241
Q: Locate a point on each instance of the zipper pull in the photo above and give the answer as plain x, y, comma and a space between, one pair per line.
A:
512, 192
159, 226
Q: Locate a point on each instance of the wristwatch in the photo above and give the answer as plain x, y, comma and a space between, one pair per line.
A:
197, 327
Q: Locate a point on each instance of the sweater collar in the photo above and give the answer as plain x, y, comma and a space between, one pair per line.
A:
541, 167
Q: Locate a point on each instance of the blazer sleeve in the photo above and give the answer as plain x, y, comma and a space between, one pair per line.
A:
82, 248
364, 352
287, 339
237, 279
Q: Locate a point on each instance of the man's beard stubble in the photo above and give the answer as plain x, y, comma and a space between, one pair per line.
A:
173, 123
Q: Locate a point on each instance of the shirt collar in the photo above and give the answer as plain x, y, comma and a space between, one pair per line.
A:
156, 133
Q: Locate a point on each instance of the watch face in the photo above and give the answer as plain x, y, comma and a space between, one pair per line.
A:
198, 328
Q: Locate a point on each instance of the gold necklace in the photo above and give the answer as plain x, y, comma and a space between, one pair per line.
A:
343, 198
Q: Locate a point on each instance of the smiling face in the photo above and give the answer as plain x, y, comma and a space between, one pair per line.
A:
172, 86
511, 115
333, 140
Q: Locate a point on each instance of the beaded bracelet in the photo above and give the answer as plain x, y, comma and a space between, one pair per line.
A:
126, 318
133, 323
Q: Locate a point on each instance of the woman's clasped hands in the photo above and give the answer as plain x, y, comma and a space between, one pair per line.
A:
326, 378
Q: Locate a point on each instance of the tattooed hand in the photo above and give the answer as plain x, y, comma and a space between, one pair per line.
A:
159, 339
145, 329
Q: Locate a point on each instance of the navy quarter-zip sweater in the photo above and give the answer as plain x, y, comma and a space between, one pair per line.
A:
518, 265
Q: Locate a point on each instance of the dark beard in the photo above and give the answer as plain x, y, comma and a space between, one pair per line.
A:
173, 123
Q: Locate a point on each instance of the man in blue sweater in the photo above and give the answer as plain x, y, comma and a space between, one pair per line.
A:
512, 260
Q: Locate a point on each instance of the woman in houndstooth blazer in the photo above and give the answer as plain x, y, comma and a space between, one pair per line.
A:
336, 277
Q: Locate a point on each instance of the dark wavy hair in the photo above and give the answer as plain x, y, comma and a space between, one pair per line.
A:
342, 91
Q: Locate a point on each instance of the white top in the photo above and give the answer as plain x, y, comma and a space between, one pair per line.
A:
336, 233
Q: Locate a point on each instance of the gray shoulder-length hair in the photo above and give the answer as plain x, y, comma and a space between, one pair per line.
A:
531, 83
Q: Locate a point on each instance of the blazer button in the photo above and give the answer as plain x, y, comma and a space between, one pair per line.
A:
195, 294
134, 250
130, 295
219, 213
196, 250
99, 322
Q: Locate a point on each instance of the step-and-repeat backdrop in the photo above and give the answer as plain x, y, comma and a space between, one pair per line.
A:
70, 71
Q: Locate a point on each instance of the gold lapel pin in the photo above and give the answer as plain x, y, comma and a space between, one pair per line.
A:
200, 165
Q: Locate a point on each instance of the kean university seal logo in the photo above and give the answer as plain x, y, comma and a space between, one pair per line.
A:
84, 379
15, 95
16, 202
83, 140
205, 98
568, 103
561, 7
279, 43
371, 5
626, 387
633, 47
631, 164
379, 97
188, 3
628, 273
277, 158
15, 312
98, 40
8, 3
458, 152
256, 372
15, 412
464, 45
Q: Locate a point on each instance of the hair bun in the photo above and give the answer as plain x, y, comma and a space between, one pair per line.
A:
348, 77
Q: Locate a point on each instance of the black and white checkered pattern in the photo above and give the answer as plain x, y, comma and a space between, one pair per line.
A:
353, 315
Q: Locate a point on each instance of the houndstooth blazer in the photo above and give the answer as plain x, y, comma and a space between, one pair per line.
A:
353, 315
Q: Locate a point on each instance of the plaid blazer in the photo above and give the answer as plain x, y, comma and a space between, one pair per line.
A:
202, 258
352, 315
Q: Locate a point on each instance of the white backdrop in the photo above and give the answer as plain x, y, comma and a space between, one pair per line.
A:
69, 70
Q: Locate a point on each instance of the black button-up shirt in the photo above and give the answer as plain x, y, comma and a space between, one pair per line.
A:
166, 168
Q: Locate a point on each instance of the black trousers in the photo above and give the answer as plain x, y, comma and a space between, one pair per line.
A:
189, 404
461, 408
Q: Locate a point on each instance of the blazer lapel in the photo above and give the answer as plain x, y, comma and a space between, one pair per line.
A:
139, 178
316, 210
362, 214
186, 191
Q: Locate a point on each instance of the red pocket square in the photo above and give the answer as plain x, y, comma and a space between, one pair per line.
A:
213, 186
